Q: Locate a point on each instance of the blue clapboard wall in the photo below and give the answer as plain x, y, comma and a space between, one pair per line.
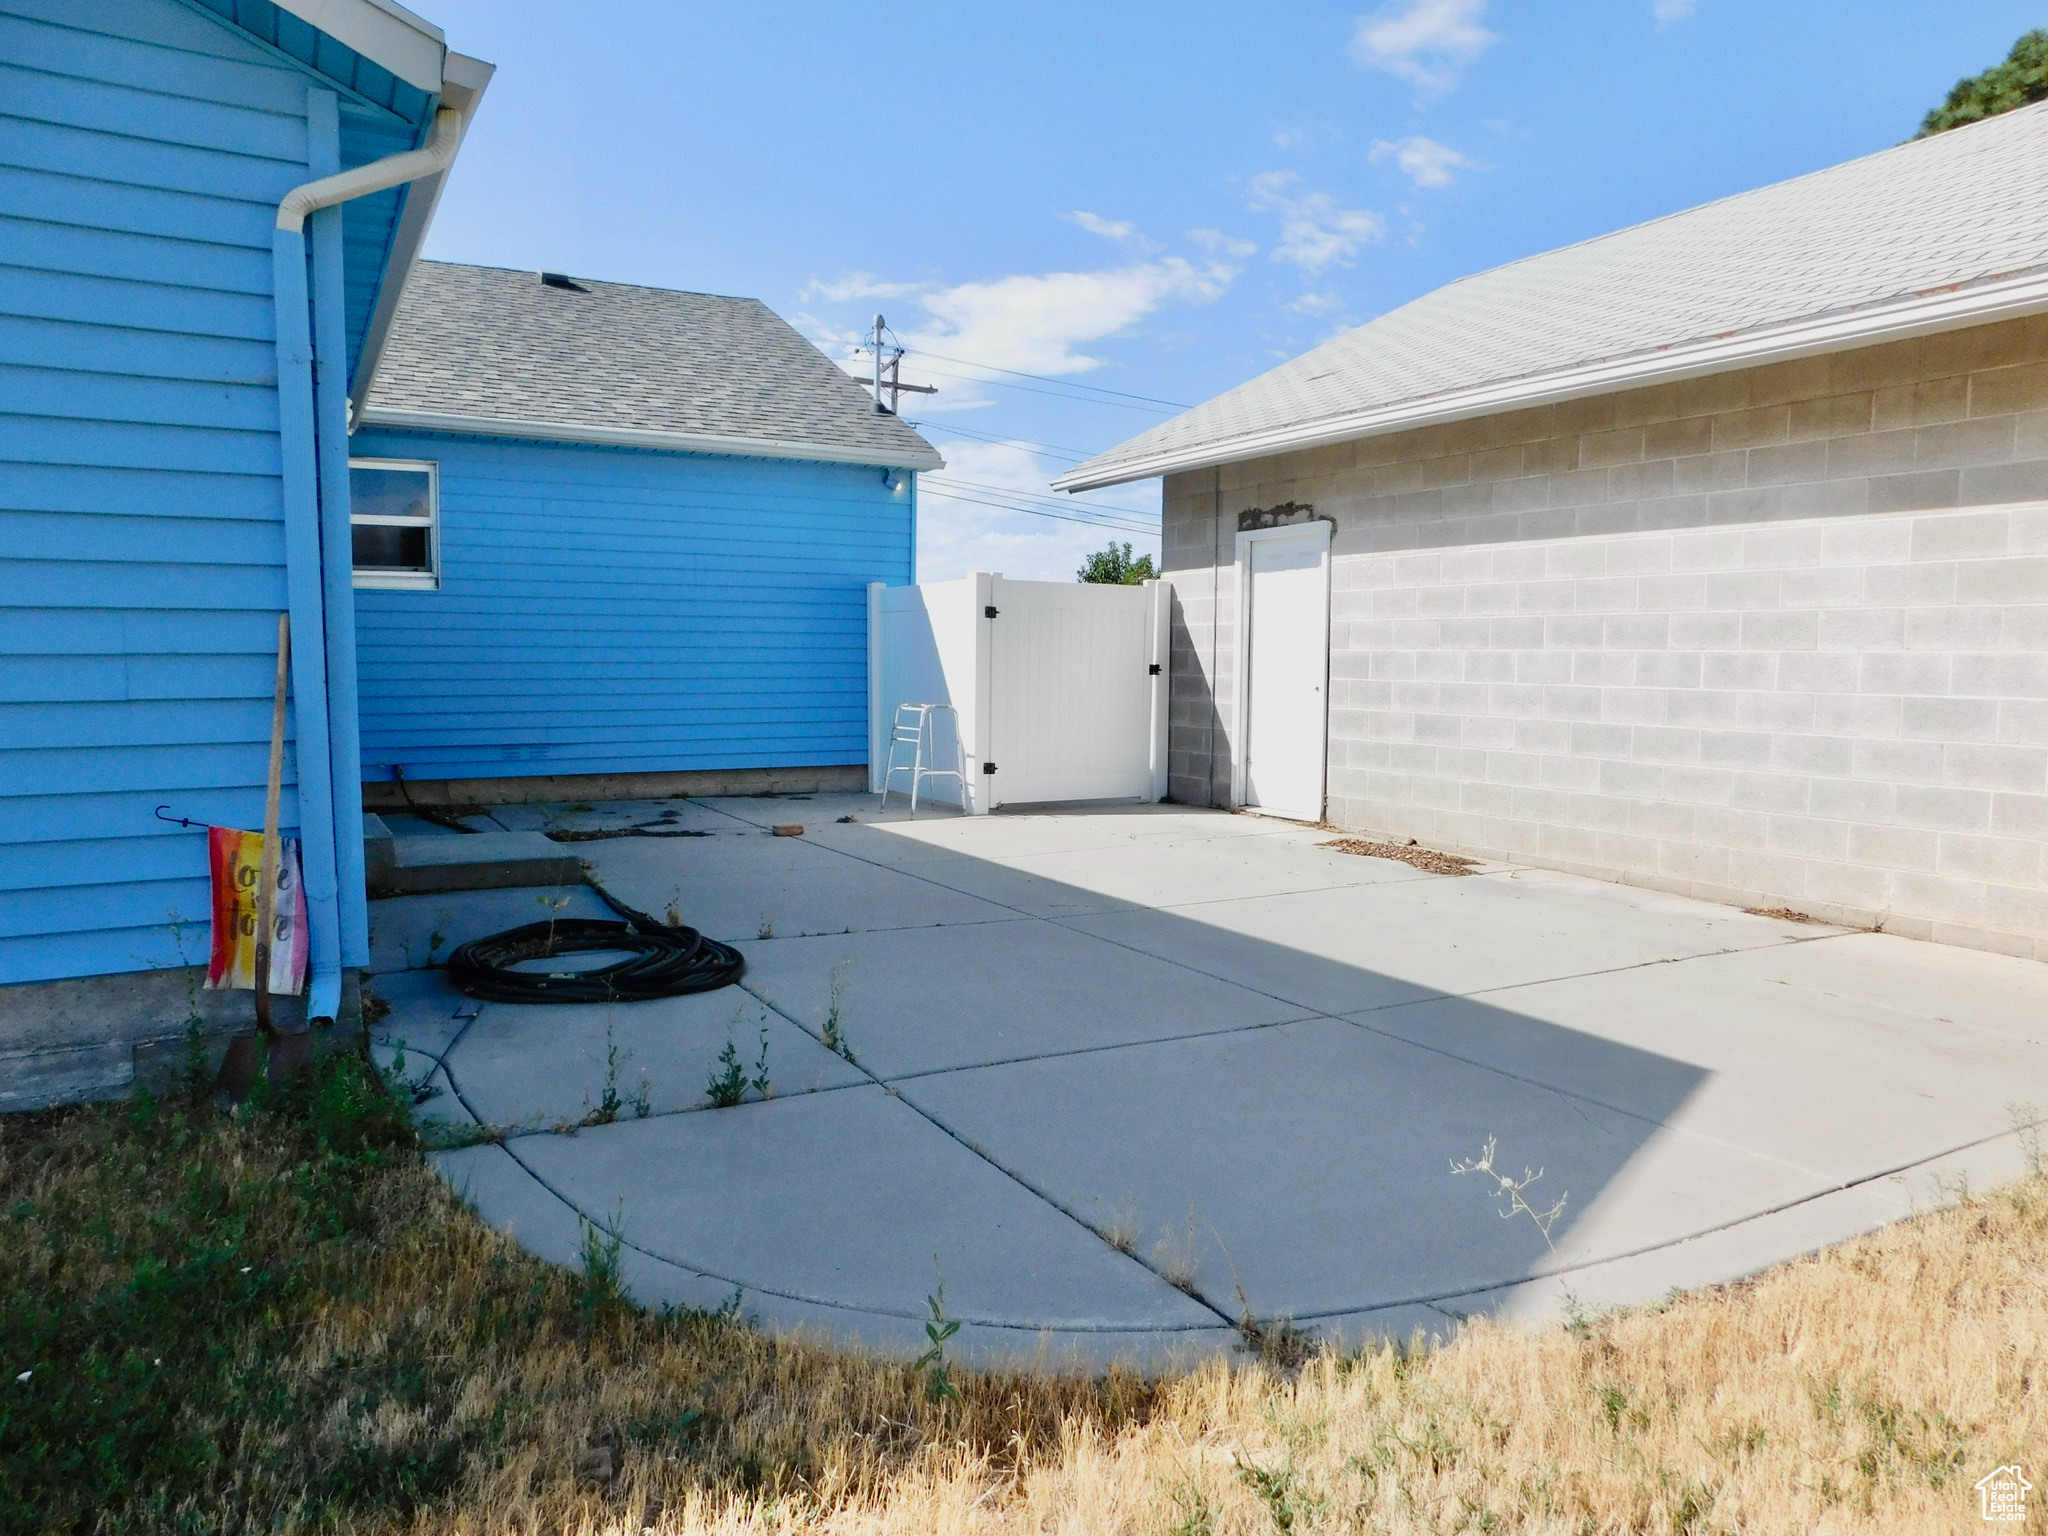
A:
143, 147
613, 610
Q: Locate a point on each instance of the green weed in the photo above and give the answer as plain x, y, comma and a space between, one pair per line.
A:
729, 1080
2026, 1120
729, 1086
603, 1280
1275, 1488
835, 1029
1197, 1515
607, 1109
932, 1365
554, 906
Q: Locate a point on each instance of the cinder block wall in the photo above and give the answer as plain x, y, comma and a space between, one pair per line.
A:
1777, 637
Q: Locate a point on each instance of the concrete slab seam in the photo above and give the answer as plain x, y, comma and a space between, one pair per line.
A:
1416, 877
1016, 1178
521, 1130
1308, 1017
1725, 1226
1420, 1002
780, 1293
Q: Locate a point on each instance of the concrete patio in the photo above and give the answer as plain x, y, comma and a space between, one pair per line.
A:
1123, 1073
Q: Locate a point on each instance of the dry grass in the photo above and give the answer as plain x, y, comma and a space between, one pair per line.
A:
1427, 859
1861, 1390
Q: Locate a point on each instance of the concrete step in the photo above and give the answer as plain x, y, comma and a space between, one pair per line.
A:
480, 861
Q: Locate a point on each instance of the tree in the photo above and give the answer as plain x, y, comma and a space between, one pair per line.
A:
1115, 567
2022, 79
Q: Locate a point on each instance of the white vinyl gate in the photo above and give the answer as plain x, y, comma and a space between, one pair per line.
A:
1059, 687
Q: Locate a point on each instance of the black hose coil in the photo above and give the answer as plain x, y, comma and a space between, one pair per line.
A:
665, 961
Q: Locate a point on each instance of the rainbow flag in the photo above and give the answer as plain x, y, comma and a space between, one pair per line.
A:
237, 860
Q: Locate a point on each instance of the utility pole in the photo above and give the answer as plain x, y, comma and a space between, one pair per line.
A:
897, 388
875, 344
894, 383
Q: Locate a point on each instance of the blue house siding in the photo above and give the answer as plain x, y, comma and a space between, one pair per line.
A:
369, 223
143, 148
308, 45
612, 610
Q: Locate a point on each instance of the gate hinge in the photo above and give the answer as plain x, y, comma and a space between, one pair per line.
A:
989, 612
988, 767
1153, 670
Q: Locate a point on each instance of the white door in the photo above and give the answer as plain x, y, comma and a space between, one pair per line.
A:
1287, 646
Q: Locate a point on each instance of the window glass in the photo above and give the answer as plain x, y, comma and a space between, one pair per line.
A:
393, 524
380, 492
390, 549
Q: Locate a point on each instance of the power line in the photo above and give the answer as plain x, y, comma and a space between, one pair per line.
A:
1050, 379
1052, 394
1055, 394
1083, 522
1065, 508
1026, 504
1062, 502
1086, 522
1045, 450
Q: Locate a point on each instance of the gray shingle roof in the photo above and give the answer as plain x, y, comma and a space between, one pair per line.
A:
613, 363
1899, 229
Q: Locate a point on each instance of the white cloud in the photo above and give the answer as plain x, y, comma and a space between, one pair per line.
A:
957, 536
1029, 323
1426, 41
1096, 224
1315, 233
1316, 305
1668, 11
856, 285
1423, 161
1216, 243
1037, 323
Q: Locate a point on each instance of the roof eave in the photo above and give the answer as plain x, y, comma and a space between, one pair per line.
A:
673, 442
384, 32
462, 87
1921, 315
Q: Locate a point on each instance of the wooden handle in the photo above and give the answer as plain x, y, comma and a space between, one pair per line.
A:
266, 889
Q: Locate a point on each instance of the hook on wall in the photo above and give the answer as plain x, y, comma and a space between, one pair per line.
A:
176, 821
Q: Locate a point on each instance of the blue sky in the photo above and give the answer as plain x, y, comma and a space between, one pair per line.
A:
1157, 199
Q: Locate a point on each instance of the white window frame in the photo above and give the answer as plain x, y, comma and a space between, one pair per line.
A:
402, 581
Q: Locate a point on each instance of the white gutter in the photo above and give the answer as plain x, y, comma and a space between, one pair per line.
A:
1921, 315
430, 159
634, 437
382, 32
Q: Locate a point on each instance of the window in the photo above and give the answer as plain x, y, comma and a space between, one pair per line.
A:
394, 523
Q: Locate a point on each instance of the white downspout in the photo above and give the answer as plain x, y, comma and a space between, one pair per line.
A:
436, 155
303, 556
